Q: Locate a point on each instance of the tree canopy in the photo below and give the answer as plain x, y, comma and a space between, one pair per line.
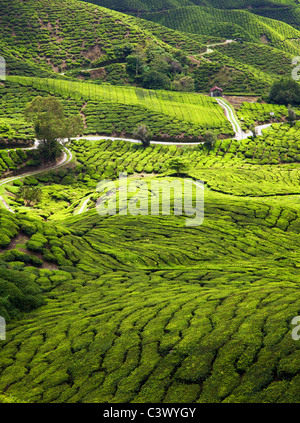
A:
179, 165
285, 91
143, 134
51, 125
154, 68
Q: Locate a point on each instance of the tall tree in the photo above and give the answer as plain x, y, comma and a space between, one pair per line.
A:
292, 116
286, 91
136, 61
30, 195
72, 125
143, 134
178, 164
209, 138
51, 125
253, 130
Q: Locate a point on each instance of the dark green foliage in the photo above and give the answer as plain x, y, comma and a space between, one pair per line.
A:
178, 164
143, 308
143, 134
153, 67
209, 138
31, 195
285, 91
51, 125
18, 293
156, 80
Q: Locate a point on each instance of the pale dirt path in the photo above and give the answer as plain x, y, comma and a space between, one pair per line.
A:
67, 157
103, 137
82, 208
210, 50
239, 133
260, 128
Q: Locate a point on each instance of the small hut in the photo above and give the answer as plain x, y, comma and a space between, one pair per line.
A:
216, 92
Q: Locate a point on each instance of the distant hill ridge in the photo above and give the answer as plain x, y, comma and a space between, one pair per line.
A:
155, 5
60, 38
284, 10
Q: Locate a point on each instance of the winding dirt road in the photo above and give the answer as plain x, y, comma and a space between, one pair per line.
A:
68, 156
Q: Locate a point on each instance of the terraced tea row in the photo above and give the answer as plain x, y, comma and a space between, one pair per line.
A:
256, 168
99, 117
117, 110
123, 339
14, 160
229, 24
52, 32
253, 113
229, 163
222, 333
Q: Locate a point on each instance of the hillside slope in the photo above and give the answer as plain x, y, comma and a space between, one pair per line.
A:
134, 306
59, 35
230, 24
283, 10
115, 110
156, 5
78, 39
145, 309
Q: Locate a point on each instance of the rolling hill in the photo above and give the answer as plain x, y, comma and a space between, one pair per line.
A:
125, 305
156, 5
75, 39
129, 307
230, 24
283, 10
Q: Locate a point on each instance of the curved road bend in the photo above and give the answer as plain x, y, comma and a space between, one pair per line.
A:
67, 157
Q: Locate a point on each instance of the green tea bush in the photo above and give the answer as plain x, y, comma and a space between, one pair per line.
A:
36, 242
18, 293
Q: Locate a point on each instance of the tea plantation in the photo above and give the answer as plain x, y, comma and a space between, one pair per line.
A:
116, 110
129, 316
65, 39
133, 307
